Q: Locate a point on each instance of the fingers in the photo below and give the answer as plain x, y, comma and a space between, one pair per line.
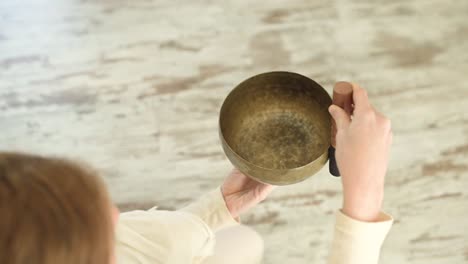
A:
360, 99
390, 138
342, 119
383, 121
269, 188
363, 107
264, 190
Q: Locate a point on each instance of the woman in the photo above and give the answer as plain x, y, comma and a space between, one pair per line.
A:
56, 211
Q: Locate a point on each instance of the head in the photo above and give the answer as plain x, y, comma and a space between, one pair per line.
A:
53, 211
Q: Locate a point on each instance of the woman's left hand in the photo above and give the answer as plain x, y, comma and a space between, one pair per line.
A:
242, 193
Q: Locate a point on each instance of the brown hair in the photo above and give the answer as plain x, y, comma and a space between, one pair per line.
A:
52, 211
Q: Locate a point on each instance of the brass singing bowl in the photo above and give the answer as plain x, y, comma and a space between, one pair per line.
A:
275, 127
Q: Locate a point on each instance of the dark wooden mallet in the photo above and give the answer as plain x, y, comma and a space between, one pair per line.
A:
342, 97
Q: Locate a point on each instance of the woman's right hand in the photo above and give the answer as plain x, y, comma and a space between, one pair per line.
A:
362, 152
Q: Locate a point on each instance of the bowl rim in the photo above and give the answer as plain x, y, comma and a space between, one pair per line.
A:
225, 143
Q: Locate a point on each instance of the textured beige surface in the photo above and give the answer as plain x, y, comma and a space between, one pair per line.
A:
134, 87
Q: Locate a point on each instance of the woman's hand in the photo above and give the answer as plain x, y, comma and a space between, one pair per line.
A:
362, 150
242, 193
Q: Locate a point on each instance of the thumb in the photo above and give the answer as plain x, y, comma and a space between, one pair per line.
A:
341, 118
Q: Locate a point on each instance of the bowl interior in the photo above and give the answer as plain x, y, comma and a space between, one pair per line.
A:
277, 120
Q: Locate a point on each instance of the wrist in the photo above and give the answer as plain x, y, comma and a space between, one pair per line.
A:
230, 204
363, 208
359, 214
232, 210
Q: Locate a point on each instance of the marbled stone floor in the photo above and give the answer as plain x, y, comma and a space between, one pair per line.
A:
134, 88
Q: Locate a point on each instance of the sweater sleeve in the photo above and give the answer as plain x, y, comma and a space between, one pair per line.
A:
211, 209
183, 236
357, 242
